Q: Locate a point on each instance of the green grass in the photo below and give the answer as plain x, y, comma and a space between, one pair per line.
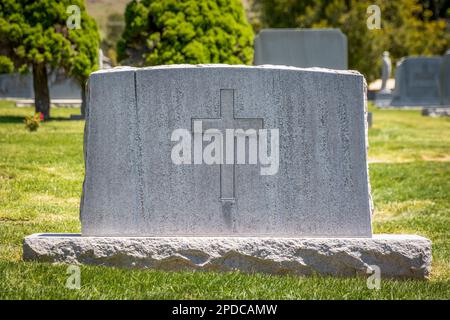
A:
40, 184
407, 136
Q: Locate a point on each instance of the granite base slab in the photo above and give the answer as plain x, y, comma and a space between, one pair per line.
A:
397, 256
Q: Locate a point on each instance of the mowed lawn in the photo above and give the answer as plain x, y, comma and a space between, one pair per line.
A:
41, 176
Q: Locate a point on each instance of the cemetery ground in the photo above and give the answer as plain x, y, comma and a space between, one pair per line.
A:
41, 175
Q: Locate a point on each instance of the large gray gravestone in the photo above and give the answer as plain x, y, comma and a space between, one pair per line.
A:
153, 197
321, 187
417, 82
303, 48
445, 79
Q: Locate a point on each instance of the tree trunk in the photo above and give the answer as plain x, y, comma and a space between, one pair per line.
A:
83, 98
41, 92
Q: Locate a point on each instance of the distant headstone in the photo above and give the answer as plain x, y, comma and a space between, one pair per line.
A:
384, 96
103, 61
385, 72
417, 82
445, 79
63, 87
217, 167
302, 48
436, 112
15, 85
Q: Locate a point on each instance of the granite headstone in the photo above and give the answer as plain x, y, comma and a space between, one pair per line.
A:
445, 80
15, 85
133, 188
417, 82
303, 48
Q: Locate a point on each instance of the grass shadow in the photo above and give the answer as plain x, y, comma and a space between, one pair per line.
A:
11, 119
20, 119
61, 119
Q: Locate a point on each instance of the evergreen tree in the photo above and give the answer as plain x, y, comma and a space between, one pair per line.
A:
186, 31
34, 34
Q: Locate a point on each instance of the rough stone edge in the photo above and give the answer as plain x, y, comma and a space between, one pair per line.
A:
229, 66
397, 256
366, 137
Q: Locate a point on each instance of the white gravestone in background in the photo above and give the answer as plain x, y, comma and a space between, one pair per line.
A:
218, 167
